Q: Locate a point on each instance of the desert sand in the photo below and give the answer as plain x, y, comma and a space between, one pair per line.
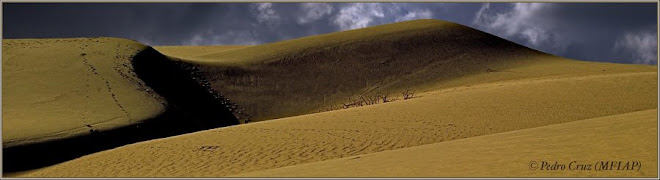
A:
482, 107
59, 88
191, 52
72, 97
508, 154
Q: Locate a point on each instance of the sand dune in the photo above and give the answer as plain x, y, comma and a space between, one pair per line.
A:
309, 74
509, 154
71, 97
303, 75
58, 88
432, 118
191, 52
477, 97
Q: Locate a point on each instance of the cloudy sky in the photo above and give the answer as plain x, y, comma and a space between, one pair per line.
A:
624, 33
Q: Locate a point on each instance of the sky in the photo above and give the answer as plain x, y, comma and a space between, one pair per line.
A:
605, 32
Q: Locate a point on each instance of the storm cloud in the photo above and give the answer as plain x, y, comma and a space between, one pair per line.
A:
624, 33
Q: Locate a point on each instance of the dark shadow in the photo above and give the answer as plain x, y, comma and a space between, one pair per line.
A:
193, 106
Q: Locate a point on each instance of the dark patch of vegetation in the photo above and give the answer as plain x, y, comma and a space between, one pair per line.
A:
408, 94
365, 100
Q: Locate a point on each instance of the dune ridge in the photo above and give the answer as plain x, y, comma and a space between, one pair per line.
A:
386, 59
76, 97
37, 92
191, 52
468, 85
309, 74
431, 118
497, 155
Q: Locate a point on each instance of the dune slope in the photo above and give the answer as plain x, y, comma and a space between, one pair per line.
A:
630, 137
467, 84
436, 116
58, 88
191, 52
310, 74
64, 98
303, 75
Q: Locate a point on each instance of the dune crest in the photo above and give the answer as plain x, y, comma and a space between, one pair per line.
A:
90, 82
497, 155
83, 95
303, 75
310, 74
437, 116
469, 86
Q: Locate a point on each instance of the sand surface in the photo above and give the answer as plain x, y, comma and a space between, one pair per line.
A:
519, 153
312, 74
192, 52
435, 117
482, 106
59, 88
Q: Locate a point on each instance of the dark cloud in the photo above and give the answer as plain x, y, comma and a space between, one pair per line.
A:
595, 32
588, 31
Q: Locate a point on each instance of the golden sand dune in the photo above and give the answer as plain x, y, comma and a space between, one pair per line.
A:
191, 52
435, 117
469, 86
63, 98
304, 75
582, 147
309, 74
59, 88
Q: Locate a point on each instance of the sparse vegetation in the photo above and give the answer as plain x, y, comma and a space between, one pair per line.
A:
285, 82
365, 100
408, 94
385, 98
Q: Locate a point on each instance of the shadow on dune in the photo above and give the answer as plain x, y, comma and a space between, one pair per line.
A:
192, 106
